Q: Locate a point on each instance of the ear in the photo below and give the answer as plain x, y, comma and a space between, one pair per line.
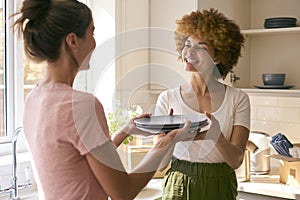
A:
216, 61
71, 40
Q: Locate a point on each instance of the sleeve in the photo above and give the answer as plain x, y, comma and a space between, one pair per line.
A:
90, 123
162, 104
242, 111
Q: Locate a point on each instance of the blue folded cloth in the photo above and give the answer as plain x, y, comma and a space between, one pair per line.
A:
281, 144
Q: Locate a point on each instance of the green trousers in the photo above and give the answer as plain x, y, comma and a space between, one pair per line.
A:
199, 181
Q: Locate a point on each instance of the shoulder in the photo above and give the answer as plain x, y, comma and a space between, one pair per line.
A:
236, 92
170, 92
237, 97
83, 97
85, 103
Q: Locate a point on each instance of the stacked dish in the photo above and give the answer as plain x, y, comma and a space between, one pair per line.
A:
280, 22
166, 123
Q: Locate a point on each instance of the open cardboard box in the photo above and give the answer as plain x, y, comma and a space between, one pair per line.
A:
289, 168
131, 156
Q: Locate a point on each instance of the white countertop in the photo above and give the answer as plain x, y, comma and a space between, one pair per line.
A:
152, 191
267, 185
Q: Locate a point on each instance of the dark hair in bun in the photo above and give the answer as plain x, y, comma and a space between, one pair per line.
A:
45, 23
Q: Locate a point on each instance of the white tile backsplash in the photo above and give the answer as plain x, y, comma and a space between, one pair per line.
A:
276, 114
262, 100
264, 126
292, 102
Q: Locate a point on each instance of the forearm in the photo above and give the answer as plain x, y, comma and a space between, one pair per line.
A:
118, 137
233, 155
136, 180
154, 160
232, 150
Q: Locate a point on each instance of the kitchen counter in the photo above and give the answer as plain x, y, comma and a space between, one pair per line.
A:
268, 185
265, 186
152, 191
29, 193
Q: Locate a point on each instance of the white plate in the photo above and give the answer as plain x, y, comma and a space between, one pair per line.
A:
273, 86
169, 126
156, 124
170, 120
204, 127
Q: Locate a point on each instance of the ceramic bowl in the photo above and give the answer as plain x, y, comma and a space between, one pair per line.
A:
273, 79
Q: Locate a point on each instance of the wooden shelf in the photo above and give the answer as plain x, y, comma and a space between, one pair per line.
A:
266, 92
273, 92
273, 31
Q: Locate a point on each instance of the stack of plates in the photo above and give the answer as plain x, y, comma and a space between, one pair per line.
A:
166, 123
280, 22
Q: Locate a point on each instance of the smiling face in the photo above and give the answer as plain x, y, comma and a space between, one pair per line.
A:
197, 54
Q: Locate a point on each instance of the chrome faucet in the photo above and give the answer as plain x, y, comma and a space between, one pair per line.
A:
13, 189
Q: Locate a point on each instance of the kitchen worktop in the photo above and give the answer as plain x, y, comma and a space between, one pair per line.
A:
267, 186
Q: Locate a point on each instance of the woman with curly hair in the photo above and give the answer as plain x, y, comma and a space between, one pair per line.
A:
209, 45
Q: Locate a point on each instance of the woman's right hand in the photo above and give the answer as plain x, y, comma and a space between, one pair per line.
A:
176, 135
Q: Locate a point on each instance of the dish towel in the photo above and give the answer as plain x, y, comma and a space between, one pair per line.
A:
281, 144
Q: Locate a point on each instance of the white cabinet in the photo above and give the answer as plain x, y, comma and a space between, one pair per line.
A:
166, 71
146, 51
156, 64
266, 50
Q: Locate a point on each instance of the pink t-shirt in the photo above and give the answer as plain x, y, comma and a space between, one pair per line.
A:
61, 126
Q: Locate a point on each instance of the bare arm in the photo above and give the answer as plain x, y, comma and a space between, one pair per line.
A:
117, 183
106, 165
233, 150
127, 130
119, 137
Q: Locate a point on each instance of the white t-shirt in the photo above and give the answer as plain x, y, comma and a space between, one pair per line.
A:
235, 110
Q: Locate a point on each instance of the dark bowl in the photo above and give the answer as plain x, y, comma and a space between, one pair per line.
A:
273, 79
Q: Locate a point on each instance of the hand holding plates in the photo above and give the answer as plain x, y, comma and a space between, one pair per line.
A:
166, 123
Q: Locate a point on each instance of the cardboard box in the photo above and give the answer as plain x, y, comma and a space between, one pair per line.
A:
289, 169
131, 156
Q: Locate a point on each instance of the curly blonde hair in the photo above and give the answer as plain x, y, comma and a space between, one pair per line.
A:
223, 34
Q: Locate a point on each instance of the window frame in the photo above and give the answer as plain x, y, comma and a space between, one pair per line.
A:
14, 81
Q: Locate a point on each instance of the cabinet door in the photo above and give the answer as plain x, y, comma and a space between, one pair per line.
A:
132, 52
166, 71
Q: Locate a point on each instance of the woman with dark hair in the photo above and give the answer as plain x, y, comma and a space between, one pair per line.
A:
66, 130
209, 45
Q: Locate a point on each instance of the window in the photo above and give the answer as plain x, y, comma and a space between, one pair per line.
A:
8, 72
11, 76
2, 80
18, 75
